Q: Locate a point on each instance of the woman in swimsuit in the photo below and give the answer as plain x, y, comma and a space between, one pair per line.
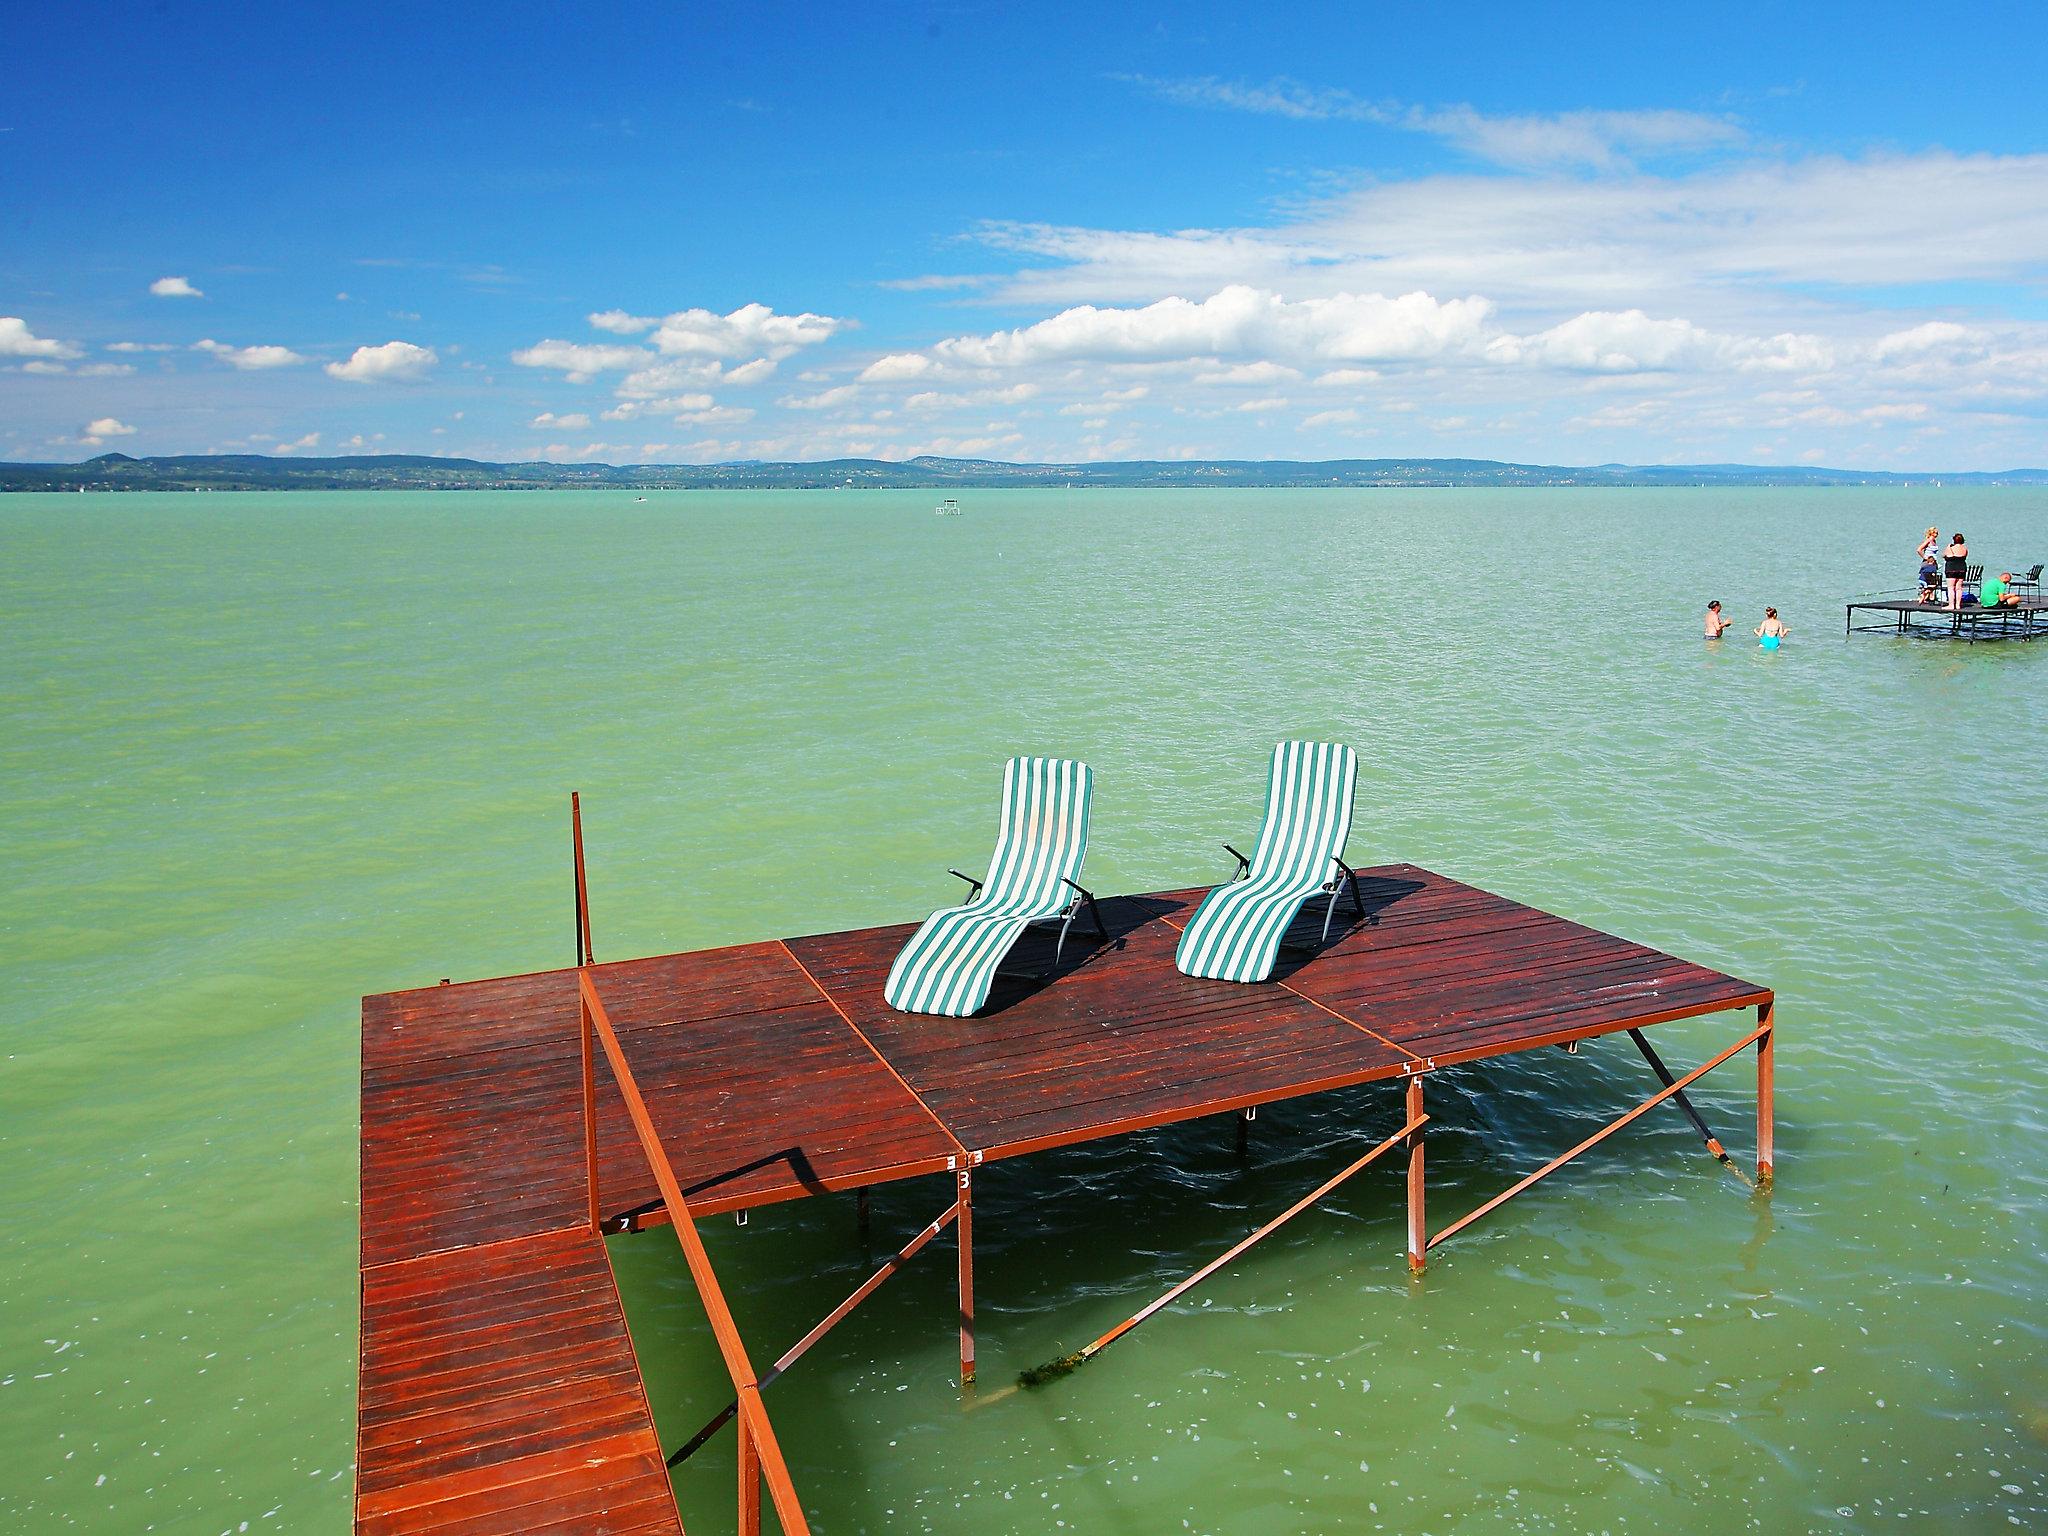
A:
1955, 564
1928, 546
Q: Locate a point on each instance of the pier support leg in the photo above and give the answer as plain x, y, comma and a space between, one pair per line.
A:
1418, 1236
965, 1221
750, 1483
590, 1120
860, 1213
1766, 1072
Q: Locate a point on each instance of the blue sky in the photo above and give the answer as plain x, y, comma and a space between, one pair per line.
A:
638, 232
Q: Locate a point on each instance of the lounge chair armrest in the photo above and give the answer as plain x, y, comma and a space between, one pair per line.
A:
970, 880
1244, 865
1077, 888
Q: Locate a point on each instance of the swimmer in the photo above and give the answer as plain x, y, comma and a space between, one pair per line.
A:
1716, 624
1772, 630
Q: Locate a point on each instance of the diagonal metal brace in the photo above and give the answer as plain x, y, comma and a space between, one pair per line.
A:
1599, 1136
1664, 1076
830, 1321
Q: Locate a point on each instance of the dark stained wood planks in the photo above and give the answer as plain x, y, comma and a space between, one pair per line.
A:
1121, 1040
499, 1393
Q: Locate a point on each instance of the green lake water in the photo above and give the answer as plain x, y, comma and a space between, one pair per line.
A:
260, 755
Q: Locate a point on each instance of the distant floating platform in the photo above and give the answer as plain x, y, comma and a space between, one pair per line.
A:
1906, 616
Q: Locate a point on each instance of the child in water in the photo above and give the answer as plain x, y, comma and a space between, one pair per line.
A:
1716, 624
1771, 631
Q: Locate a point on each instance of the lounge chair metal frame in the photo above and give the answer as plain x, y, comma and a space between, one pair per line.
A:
1082, 897
1334, 886
948, 964
1309, 798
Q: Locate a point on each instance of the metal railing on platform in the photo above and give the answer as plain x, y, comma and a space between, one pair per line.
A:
760, 1455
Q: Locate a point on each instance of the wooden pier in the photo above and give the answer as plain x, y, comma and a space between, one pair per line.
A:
508, 1124
1909, 616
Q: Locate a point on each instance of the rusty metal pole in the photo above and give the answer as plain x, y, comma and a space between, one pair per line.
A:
1418, 1236
750, 1483
589, 1116
583, 954
965, 1221
1766, 1088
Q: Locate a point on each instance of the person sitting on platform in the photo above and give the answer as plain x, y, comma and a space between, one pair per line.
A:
1996, 592
1716, 624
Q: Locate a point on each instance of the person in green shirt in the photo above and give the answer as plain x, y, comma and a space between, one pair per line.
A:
1996, 591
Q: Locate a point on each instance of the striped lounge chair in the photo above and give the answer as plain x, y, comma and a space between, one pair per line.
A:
950, 961
1235, 933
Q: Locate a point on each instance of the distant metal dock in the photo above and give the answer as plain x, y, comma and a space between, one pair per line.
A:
1908, 616
508, 1125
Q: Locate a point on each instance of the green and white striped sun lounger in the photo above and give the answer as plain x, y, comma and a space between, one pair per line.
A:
1235, 934
950, 961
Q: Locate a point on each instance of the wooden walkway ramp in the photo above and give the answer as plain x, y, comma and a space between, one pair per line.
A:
498, 1389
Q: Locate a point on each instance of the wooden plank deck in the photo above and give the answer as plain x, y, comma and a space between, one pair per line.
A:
493, 1345
499, 1393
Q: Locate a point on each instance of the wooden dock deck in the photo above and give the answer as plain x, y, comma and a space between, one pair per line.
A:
498, 1389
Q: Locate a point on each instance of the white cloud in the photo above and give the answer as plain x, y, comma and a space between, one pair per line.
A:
1237, 322
1525, 140
104, 370
1341, 378
1264, 372
895, 367
575, 421
1936, 336
750, 373
619, 323
17, 340
1632, 342
97, 432
580, 360
752, 330
175, 288
825, 399
136, 346
395, 362
310, 440
1337, 418
250, 359
630, 410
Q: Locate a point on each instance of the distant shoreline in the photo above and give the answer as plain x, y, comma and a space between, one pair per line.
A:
402, 472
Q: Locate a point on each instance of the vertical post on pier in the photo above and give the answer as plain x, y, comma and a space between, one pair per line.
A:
1418, 1236
583, 954
860, 1212
964, 1223
749, 1521
589, 1113
1766, 1090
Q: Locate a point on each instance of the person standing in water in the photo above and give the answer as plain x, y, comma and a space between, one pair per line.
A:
1771, 631
1955, 564
1717, 625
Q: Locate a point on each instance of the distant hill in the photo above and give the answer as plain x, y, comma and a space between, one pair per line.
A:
394, 472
